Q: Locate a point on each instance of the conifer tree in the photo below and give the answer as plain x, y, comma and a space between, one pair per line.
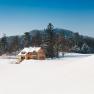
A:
27, 40
4, 43
50, 41
15, 43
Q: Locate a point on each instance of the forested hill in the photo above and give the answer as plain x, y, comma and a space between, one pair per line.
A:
64, 32
64, 40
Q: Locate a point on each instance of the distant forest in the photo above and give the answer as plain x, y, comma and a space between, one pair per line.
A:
53, 40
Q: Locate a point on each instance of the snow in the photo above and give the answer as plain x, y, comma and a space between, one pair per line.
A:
68, 58
7, 61
30, 49
4, 59
2, 34
69, 75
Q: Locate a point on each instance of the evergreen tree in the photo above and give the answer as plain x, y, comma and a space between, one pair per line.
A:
85, 48
50, 41
27, 39
76, 38
37, 39
4, 43
57, 45
15, 44
76, 49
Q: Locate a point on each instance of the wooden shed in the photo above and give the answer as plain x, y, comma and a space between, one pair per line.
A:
37, 53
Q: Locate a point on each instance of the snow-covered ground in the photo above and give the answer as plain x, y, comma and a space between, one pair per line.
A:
73, 74
68, 57
7, 61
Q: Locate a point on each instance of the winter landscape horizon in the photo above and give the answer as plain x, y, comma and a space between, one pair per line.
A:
46, 47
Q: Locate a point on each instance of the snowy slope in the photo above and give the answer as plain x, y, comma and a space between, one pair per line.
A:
44, 77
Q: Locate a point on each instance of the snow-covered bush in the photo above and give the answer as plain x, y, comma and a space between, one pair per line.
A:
85, 48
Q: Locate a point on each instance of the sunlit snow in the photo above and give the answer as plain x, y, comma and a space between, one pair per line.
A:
68, 75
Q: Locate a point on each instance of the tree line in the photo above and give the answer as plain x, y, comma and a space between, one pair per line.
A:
51, 40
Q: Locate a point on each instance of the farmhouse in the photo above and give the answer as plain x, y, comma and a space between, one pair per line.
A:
37, 53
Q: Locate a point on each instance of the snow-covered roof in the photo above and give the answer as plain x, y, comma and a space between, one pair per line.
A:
29, 49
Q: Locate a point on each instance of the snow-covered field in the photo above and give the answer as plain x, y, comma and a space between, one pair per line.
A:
68, 57
73, 74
